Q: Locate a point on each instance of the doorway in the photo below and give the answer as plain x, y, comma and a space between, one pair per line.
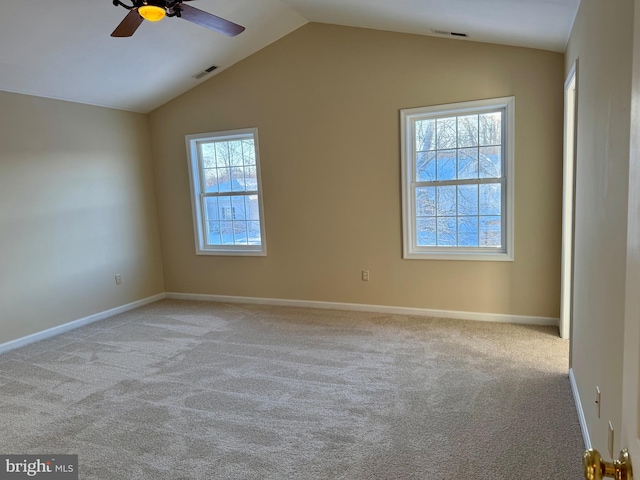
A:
568, 202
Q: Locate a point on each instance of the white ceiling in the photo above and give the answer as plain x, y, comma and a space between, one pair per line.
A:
63, 48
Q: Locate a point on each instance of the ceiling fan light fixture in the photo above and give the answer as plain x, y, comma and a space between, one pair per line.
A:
155, 10
152, 13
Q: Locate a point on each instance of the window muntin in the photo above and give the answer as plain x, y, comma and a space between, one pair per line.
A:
226, 193
458, 180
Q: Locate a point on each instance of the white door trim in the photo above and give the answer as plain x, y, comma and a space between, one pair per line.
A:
568, 201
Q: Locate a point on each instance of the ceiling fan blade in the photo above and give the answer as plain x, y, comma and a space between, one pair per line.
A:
207, 20
129, 25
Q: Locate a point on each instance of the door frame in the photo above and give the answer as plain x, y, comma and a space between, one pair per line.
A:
631, 357
568, 200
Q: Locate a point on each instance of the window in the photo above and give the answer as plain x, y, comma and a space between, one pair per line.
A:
226, 194
457, 180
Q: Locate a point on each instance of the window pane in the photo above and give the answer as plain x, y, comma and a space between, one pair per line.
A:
446, 231
208, 155
490, 231
254, 207
224, 180
426, 202
235, 153
490, 162
446, 165
213, 233
251, 178
251, 208
426, 166
239, 212
446, 132
468, 131
248, 152
233, 220
225, 210
426, 232
226, 231
210, 180
491, 128
468, 231
468, 200
425, 135
211, 210
237, 179
467, 163
491, 199
240, 233
446, 204
222, 154
254, 233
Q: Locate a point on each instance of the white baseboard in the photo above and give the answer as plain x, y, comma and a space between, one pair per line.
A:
57, 330
581, 419
419, 312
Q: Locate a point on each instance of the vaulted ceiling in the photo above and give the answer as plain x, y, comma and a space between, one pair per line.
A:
63, 48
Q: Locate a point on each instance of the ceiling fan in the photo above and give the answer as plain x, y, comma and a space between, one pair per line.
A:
155, 10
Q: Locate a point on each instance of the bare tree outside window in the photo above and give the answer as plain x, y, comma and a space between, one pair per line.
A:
456, 171
226, 192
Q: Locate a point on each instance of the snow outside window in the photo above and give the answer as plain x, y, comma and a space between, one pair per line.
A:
457, 180
226, 193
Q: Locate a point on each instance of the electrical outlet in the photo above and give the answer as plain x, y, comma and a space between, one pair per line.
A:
610, 439
118, 279
365, 275
598, 401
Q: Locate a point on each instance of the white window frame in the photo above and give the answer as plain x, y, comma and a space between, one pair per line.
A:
408, 117
198, 195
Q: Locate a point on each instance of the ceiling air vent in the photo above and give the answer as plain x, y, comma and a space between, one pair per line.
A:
206, 71
450, 34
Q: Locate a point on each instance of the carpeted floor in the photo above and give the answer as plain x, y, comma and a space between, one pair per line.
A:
193, 390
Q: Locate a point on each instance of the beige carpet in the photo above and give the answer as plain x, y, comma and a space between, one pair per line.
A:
190, 390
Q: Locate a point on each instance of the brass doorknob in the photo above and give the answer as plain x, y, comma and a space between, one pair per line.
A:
595, 468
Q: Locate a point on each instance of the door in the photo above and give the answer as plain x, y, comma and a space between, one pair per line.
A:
630, 428
631, 365
568, 203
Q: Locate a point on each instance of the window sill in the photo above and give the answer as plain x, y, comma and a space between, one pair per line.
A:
469, 256
233, 252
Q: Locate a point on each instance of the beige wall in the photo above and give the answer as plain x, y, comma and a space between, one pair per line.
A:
601, 40
326, 100
77, 206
